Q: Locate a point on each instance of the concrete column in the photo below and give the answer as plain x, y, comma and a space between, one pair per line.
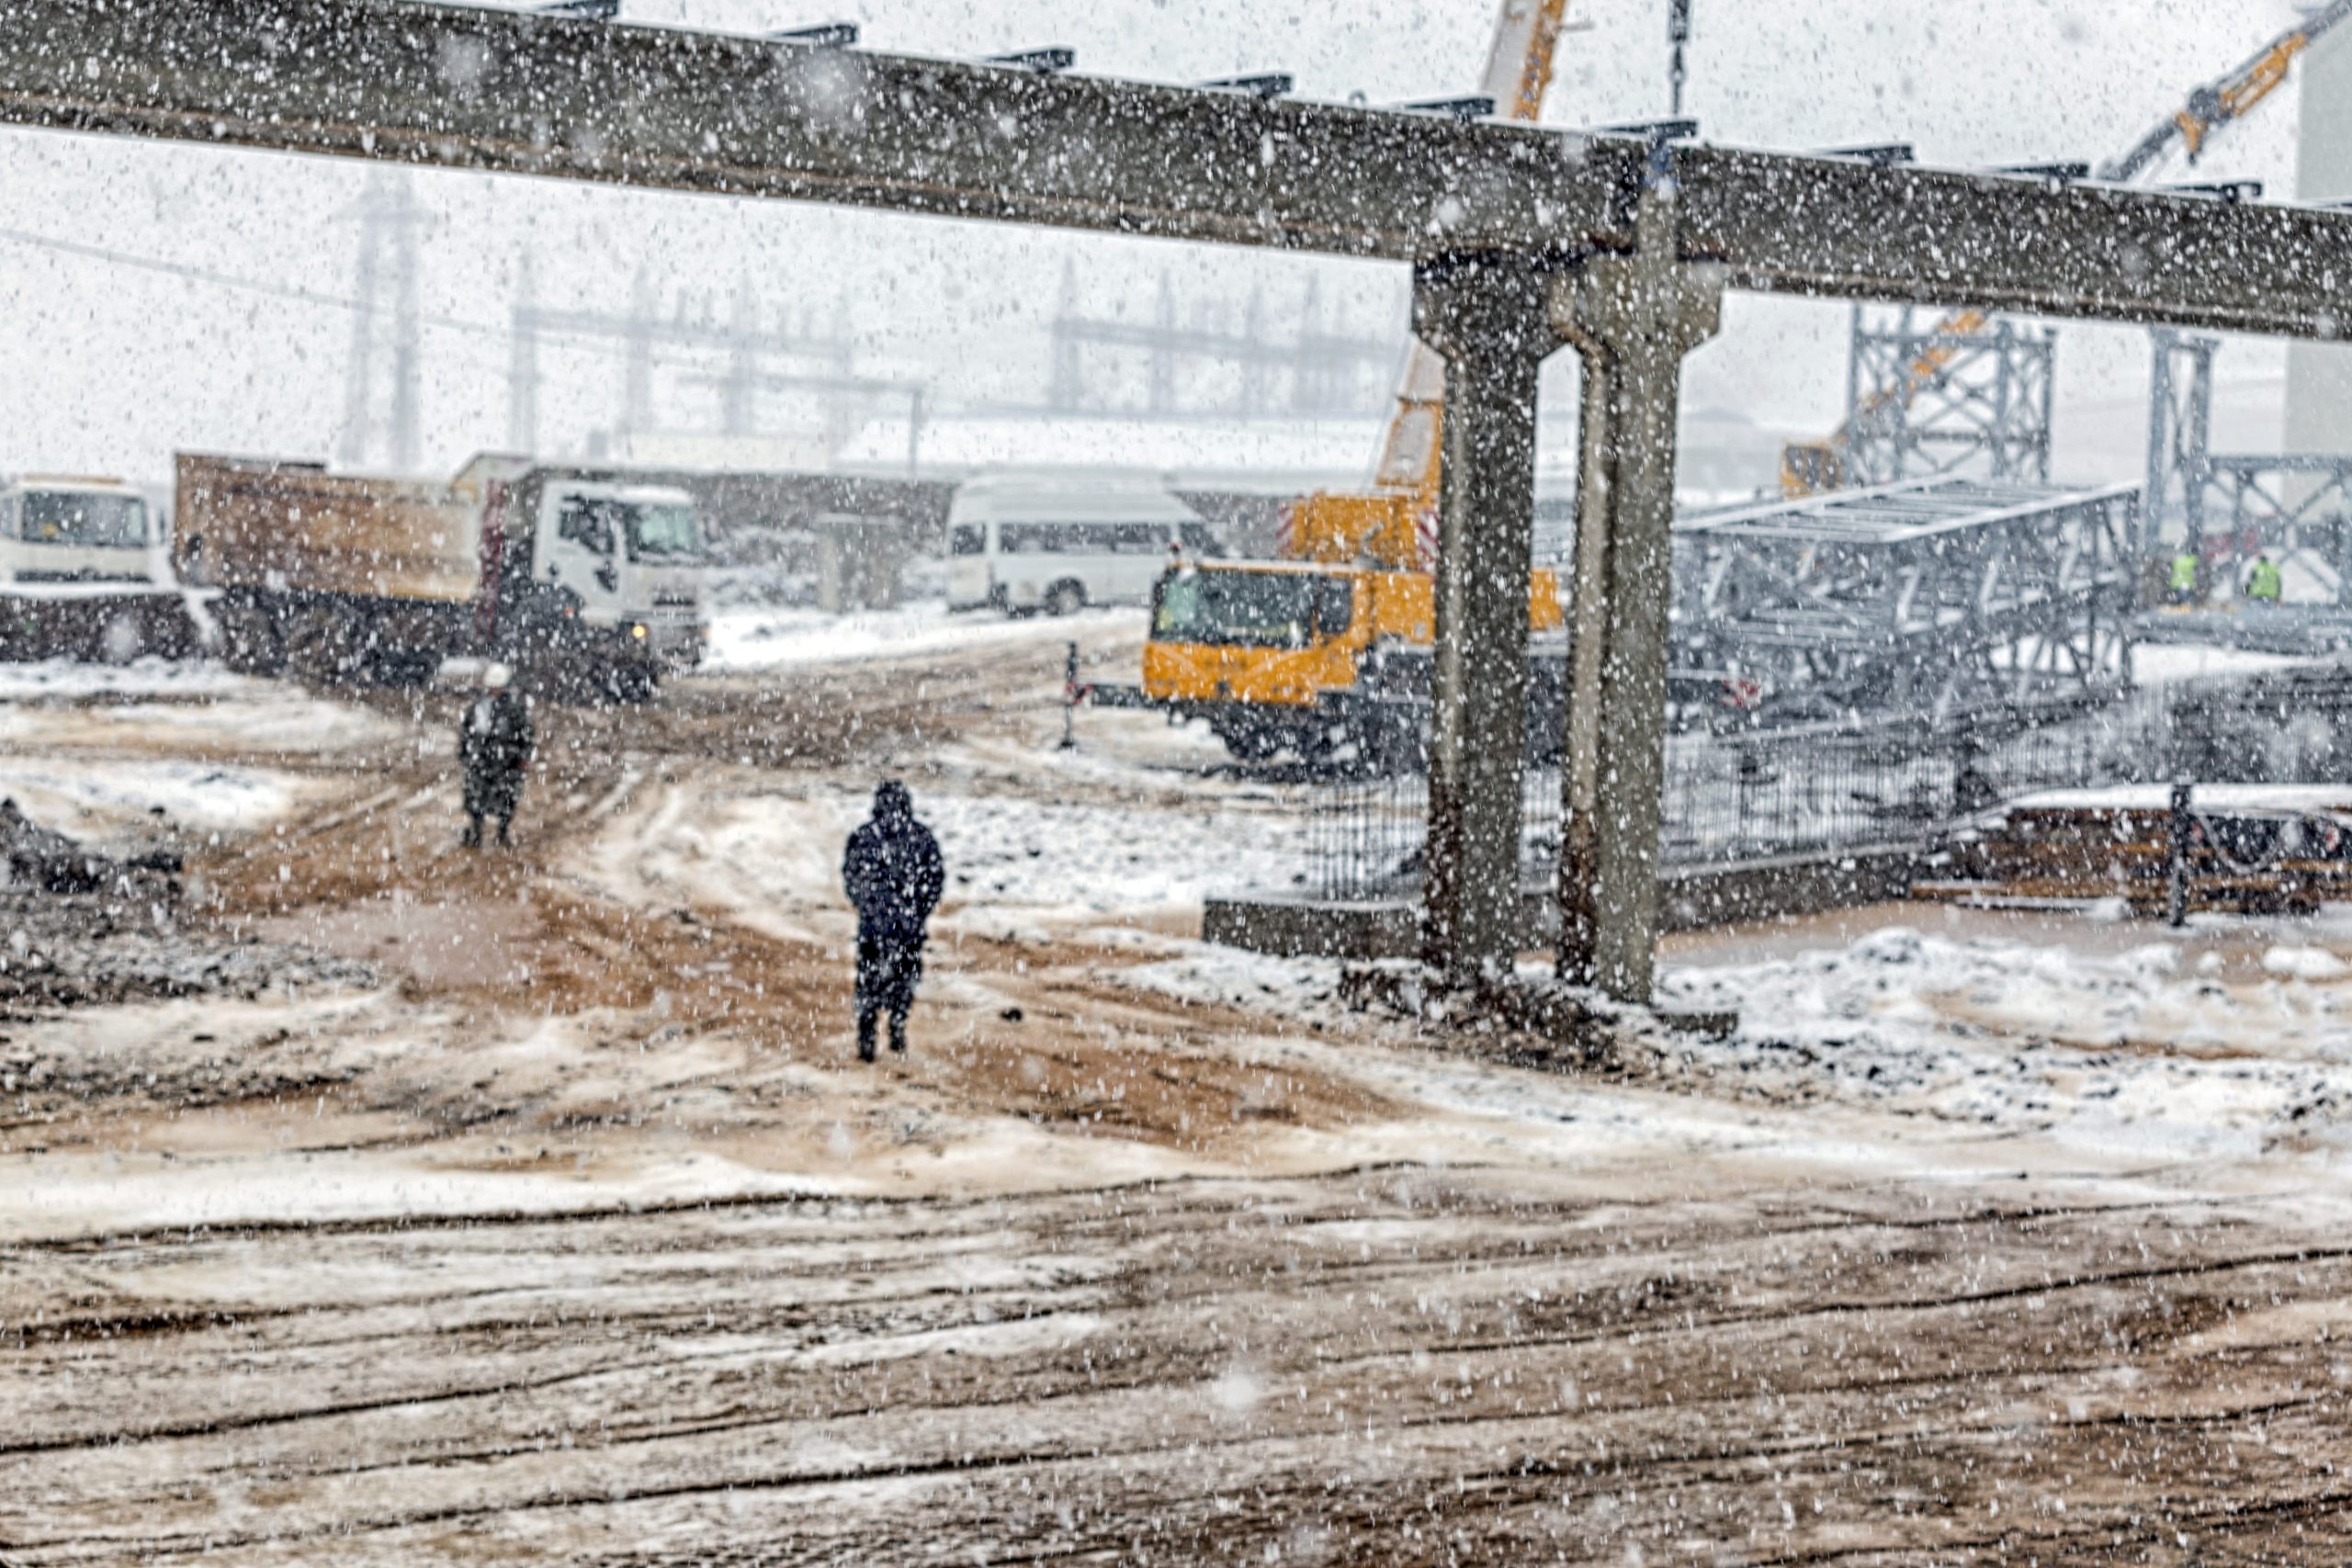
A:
1631, 318
1486, 315
1586, 616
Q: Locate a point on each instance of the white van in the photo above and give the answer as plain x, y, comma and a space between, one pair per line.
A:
1061, 542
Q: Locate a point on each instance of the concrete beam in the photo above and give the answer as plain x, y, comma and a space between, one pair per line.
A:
576, 99
1485, 315
1819, 227
520, 93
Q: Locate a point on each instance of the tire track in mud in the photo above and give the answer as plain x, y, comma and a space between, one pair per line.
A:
1151, 1438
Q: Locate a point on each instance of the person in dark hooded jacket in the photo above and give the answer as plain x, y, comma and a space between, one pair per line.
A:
494, 745
893, 874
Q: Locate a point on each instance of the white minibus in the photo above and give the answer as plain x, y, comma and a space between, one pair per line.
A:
1062, 542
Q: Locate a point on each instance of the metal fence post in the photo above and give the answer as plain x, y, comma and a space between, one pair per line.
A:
2181, 827
1070, 700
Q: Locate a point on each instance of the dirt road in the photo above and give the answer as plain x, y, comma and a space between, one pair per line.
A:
577, 1238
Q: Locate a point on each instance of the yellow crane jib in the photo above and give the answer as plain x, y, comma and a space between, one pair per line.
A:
1392, 522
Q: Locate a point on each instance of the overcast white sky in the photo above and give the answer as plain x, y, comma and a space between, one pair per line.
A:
113, 368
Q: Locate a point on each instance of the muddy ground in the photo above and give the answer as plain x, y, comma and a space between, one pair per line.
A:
530, 1208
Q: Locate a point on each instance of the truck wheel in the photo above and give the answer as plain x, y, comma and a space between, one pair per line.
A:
321, 648
630, 684
1065, 599
249, 643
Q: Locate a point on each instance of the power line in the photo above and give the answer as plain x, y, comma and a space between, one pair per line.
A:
579, 342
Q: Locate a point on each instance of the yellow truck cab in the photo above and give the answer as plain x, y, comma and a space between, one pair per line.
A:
1310, 657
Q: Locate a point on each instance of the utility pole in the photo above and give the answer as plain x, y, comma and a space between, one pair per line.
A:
389, 218
523, 362
637, 381
1678, 39
739, 392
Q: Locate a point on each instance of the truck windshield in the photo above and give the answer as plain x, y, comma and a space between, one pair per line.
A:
1255, 609
663, 531
73, 517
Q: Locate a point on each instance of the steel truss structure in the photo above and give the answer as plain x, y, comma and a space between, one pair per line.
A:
1930, 597
1974, 403
2229, 508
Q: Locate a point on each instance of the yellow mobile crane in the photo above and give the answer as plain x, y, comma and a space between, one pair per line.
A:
1811, 467
1319, 650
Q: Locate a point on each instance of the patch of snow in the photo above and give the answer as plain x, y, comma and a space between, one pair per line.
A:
2305, 963
2156, 663
2122, 1050
77, 796
2204, 797
767, 639
140, 677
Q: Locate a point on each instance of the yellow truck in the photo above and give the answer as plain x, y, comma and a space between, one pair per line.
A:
1317, 659
1327, 650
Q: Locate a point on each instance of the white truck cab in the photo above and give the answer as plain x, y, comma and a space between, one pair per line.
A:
57, 528
627, 558
84, 573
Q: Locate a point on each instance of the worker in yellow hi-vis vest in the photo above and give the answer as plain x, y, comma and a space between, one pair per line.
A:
2263, 583
2181, 587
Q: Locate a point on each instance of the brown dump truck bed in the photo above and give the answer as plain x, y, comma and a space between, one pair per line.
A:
260, 524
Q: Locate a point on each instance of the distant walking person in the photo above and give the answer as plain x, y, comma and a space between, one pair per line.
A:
893, 874
494, 744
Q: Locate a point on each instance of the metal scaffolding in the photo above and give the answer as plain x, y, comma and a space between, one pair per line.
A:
2227, 508
1974, 403
1927, 598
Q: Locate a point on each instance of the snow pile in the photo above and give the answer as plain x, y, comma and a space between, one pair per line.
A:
2305, 963
2122, 1050
1105, 859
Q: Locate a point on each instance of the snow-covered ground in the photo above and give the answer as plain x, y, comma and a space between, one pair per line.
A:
2227, 1045
88, 798
68, 678
767, 639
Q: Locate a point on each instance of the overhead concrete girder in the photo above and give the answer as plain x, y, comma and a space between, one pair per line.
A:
528, 93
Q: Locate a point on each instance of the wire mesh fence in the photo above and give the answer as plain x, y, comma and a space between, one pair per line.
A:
1742, 799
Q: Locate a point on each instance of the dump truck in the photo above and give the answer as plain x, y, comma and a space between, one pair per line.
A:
581, 575
82, 573
1318, 659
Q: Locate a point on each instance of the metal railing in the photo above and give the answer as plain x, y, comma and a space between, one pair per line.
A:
1743, 799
